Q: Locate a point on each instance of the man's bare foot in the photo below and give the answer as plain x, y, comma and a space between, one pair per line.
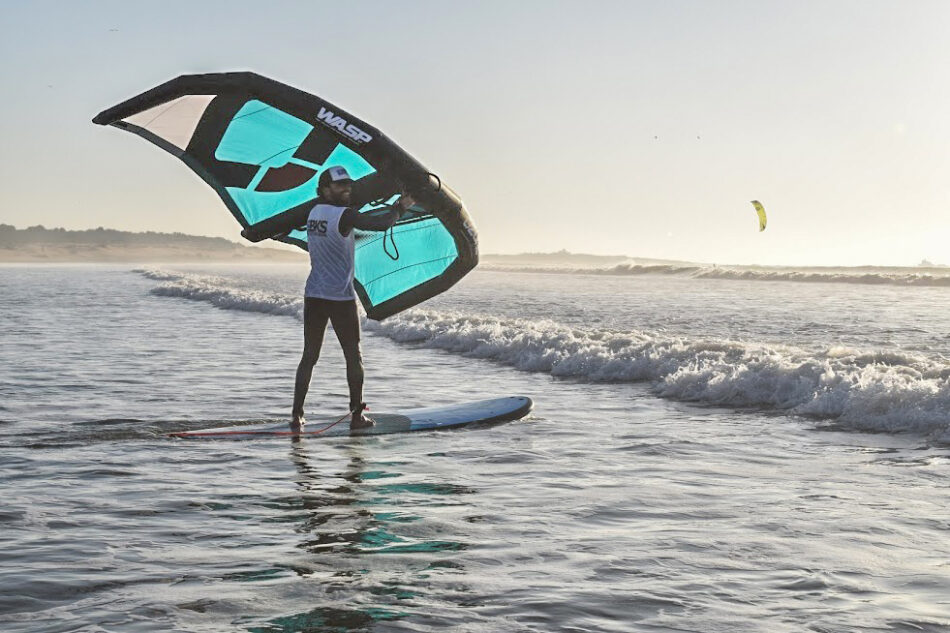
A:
360, 421
296, 425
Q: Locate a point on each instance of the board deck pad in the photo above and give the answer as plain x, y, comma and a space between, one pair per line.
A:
421, 419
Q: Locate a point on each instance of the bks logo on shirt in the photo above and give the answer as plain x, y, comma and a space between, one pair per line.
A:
317, 226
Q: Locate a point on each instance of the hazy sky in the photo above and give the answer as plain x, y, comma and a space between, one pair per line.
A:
638, 128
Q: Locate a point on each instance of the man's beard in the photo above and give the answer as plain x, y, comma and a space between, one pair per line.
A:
341, 199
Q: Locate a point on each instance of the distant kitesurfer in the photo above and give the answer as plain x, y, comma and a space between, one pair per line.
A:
329, 294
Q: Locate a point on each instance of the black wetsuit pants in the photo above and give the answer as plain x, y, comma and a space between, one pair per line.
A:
345, 319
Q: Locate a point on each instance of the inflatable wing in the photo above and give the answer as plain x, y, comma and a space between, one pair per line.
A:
262, 146
760, 211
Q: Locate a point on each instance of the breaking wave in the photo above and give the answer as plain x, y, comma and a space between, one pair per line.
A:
899, 277
217, 292
881, 391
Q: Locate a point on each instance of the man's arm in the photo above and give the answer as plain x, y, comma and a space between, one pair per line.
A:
352, 219
278, 225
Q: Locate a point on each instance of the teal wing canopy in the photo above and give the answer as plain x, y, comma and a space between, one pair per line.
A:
261, 145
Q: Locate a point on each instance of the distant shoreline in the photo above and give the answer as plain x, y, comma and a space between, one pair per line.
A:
77, 254
38, 244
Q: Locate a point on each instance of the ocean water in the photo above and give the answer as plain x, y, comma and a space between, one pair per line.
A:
707, 453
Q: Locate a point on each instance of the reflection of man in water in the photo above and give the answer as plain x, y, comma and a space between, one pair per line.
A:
329, 294
348, 522
344, 519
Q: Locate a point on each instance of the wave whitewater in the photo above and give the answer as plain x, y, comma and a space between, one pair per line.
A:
881, 391
217, 292
896, 277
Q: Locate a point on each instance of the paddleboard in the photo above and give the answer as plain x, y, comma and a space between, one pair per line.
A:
423, 419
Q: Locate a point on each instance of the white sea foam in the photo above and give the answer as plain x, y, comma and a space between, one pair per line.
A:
218, 292
879, 392
896, 277
887, 390
159, 275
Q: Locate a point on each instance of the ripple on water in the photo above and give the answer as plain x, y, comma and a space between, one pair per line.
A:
607, 510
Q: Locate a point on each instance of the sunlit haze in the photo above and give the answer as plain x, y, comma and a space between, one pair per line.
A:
633, 128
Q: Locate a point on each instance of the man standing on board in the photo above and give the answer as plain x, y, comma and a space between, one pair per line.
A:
329, 294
